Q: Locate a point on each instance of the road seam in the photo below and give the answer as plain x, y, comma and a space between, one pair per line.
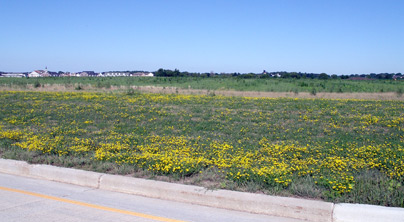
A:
99, 181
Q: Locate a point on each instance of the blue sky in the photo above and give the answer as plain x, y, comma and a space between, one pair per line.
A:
334, 36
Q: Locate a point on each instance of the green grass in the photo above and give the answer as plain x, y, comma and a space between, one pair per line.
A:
218, 83
336, 150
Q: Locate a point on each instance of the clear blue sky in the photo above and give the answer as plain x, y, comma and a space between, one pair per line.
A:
331, 36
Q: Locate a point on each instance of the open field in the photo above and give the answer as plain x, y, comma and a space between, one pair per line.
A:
295, 86
341, 150
189, 91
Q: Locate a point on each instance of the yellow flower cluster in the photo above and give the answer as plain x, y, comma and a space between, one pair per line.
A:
264, 140
165, 155
11, 134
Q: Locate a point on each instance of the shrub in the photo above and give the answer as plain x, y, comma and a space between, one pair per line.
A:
130, 91
37, 84
313, 91
399, 92
78, 87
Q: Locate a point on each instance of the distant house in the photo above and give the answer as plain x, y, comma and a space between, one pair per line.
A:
39, 73
144, 74
82, 74
399, 77
114, 74
87, 73
65, 74
124, 73
53, 74
13, 74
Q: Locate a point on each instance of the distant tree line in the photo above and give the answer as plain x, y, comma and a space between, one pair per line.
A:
283, 74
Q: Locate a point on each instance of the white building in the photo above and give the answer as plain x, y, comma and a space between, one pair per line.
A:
39, 73
19, 75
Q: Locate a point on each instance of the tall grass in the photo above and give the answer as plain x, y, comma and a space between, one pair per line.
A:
218, 83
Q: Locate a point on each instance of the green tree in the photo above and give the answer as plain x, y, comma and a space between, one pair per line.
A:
323, 76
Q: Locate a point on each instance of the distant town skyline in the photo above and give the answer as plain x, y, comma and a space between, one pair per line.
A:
151, 71
334, 37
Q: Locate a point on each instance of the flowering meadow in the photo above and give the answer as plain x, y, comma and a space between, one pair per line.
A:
337, 150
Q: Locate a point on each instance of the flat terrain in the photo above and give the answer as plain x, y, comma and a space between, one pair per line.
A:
346, 150
175, 90
217, 83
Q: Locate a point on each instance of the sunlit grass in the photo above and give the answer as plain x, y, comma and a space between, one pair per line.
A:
308, 147
218, 83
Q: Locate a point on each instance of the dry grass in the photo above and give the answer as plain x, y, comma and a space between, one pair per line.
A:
174, 90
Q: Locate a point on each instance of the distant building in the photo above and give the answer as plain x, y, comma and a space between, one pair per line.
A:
87, 73
400, 77
124, 73
39, 73
144, 74
115, 74
65, 74
53, 74
13, 74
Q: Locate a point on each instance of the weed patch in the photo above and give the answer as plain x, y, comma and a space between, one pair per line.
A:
338, 150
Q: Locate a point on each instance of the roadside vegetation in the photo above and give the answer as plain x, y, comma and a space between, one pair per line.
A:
336, 150
294, 85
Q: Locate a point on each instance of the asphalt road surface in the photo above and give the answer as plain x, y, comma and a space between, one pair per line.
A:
26, 199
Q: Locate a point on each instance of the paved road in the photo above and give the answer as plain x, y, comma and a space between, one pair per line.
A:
27, 199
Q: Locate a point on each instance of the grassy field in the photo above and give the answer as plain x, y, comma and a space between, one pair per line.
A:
217, 83
336, 150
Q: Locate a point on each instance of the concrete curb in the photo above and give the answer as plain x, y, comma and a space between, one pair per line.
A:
302, 209
366, 213
53, 173
66, 175
254, 203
